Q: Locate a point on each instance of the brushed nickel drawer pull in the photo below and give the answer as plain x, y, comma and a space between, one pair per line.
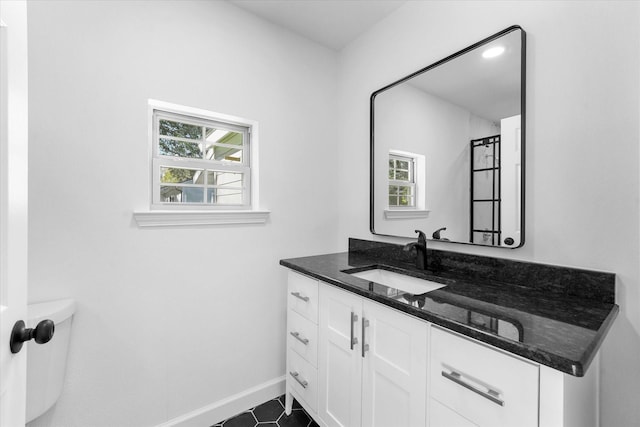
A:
491, 394
354, 339
296, 335
297, 295
295, 376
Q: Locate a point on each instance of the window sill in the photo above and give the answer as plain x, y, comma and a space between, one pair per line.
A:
191, 218
406, 213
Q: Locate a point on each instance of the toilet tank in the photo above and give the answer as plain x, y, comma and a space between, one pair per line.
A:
47, 363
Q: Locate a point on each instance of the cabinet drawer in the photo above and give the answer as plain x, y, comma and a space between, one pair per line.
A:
485, 386
441, 416
303, 296
303, 379
302, 337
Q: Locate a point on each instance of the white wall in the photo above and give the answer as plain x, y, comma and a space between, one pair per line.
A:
169, 320
582, 135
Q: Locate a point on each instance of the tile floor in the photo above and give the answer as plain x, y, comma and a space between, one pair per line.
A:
270, 413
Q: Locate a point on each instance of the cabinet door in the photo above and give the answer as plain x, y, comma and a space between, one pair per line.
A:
394, 377
339, 361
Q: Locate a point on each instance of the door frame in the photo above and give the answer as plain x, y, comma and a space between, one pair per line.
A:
13, 206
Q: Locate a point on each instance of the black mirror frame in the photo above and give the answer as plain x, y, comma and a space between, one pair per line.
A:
523, 91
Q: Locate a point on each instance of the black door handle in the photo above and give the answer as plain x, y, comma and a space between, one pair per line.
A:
42, 334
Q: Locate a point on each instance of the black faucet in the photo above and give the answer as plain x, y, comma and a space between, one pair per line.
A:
421, 250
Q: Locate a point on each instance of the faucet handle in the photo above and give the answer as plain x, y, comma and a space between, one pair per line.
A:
436, 234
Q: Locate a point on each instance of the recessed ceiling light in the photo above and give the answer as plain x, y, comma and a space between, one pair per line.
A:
493, 52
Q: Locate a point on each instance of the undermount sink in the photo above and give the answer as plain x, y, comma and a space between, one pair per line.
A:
410, 284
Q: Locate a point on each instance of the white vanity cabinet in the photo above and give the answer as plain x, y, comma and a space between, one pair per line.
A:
372, 363
352, 362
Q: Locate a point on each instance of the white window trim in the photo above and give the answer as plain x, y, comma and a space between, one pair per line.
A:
198, 218
163, 216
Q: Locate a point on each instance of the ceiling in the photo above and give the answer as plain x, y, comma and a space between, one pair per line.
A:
489, 88
332, 23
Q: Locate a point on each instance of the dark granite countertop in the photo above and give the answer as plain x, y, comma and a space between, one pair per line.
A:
556, 316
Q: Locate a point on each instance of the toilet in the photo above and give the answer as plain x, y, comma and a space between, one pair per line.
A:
46, 363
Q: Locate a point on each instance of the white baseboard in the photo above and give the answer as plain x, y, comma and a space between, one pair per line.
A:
230, 406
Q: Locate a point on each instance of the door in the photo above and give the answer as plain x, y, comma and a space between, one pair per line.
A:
339, 357
394, 376
511, 179
13, 206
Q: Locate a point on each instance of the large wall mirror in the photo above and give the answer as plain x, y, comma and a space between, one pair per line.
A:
447, 147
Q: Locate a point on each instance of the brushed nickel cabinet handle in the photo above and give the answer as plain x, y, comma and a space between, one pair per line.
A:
296, 335
296, 376
354, 339
302, 297
365, 347
490, 395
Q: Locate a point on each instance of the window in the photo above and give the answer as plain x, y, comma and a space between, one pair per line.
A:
200, 162
204, 169
401, 182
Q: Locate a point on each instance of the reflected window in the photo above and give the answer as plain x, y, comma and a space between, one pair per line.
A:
402, 182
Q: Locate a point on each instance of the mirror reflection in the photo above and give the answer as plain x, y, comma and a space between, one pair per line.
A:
447, 147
